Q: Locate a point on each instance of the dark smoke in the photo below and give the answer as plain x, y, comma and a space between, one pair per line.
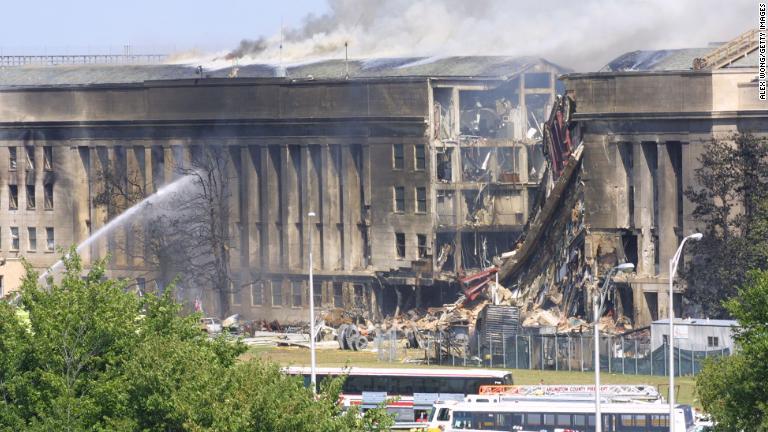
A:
248, 47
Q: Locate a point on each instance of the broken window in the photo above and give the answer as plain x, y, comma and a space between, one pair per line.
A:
398, 158
445, 165
31, 202
475, 163
15, 238
50, 241
400, 245
13, 197
420, 161
296, 293
48, 158
421, 200
12, 158
30, 153
257, 293
48, 196
399, 199
338, 295
422, 241
509, 164
277, 293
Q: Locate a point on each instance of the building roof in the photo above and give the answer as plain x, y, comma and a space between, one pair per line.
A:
704, 322
434, 67
669, 60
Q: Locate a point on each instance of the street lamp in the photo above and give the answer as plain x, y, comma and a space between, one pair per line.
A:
599, 301
313, 375
672, 270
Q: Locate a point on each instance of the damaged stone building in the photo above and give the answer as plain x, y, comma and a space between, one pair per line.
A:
417, 169
630, 137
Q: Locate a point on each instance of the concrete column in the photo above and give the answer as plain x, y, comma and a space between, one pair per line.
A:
149, 170
667, 207
251, 218
523, 107
270, 209
331, 211
366, 190
80, 163
291, 208
456, 111
640, 312
522, 163
169, 164
135, 173
643, 216
351, 212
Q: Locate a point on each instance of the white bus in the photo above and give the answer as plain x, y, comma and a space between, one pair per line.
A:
409, 392
548, 416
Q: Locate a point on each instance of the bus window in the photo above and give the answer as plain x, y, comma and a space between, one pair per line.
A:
533, 419
401, 414
444, 414
357, 384
659, 422
462, 420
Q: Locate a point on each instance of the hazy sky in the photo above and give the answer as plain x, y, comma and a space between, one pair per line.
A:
583, 34
77, 25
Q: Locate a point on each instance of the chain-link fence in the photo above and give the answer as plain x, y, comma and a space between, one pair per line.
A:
386, 346
618, 354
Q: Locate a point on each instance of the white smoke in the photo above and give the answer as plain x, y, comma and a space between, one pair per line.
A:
583, 35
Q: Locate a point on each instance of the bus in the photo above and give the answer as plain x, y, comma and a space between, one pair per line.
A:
409, 393
548, 416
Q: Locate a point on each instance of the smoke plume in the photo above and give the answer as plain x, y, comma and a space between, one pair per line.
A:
583, 35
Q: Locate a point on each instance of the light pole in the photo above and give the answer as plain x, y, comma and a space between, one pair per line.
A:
599, 300
672, 270
313, 375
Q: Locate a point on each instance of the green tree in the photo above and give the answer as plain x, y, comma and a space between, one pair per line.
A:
733, 389
93, 357
731, 204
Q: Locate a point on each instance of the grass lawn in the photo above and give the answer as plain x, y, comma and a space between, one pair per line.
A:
685, 386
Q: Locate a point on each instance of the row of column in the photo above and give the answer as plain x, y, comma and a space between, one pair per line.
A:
273, 188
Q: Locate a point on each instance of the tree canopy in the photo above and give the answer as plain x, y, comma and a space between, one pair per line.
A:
731, 205
94, 357
733, 389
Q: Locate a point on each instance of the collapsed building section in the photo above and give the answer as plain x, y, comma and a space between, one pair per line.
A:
623, 146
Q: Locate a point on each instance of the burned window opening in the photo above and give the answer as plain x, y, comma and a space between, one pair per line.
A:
443, 113
400, 245
476, 164
48, 158
421, 240
31, 199
29, 152
12, 159
13, 197
48, 196
445, 164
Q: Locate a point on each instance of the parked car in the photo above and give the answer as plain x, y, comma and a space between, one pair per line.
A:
210, 325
